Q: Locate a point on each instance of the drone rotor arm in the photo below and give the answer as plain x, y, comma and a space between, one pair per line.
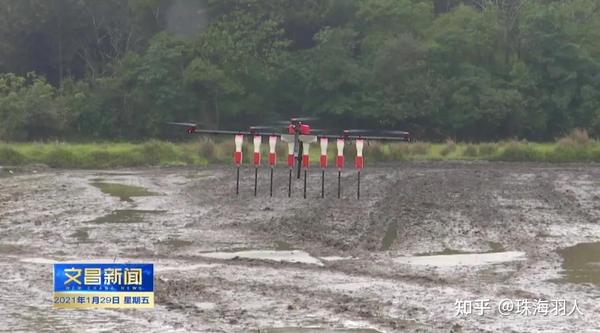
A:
229, 132
381, 138
404, 138
182, 124
226, 132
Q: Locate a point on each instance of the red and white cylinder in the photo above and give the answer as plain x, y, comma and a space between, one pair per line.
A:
339, 161
237, 156
257, 142
323, 160
272, 154
360, 162
305, 159
290, 159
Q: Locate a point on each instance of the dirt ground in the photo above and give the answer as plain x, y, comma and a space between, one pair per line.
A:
422, 238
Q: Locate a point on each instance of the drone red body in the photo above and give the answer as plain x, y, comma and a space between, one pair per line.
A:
302, 128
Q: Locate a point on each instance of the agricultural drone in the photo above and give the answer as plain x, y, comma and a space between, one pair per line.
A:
299, 137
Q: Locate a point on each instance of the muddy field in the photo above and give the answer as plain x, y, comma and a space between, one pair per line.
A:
423, 239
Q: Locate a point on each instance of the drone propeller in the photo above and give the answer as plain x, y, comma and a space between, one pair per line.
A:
357, 131
375, 132
261, 127
394, 132
295, 119
183, 124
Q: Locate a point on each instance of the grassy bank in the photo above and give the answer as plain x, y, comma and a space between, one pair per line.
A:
577, 147
101, 155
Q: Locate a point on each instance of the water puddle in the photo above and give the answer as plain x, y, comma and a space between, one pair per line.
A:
122, 191
283, 246
81, 235
316, 330
470, 259
295, 256
496, 247
581, 263
126, 216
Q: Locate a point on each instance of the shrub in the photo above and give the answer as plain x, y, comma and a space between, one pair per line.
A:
487, 149
576, 137
419, 148
281, 150
10, 156
594, 155
470, 150
99, 159
448, 148
376, 152
399, 151
224, 151
207, 150
155, 151
573, 147
131, 158
516, 151
247, 152
562, 153
59, 157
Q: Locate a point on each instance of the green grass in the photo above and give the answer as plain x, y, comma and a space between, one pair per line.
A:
100, 155
575, 147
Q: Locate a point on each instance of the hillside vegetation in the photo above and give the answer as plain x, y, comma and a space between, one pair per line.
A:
470, 70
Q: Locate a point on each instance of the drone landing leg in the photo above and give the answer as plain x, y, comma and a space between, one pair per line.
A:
271, 185
339, 183
299, 157
305, 183
358, 187
237, 182
255, 180
323, 183
290, 184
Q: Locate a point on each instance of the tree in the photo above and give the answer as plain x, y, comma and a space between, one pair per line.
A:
28, 108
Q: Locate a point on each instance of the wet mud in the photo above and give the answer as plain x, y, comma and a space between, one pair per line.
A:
422, 237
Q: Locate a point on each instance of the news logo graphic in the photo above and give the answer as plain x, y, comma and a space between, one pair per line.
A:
110, 285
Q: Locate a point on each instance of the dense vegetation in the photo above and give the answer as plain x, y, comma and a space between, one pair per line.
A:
575, 147
463, 69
